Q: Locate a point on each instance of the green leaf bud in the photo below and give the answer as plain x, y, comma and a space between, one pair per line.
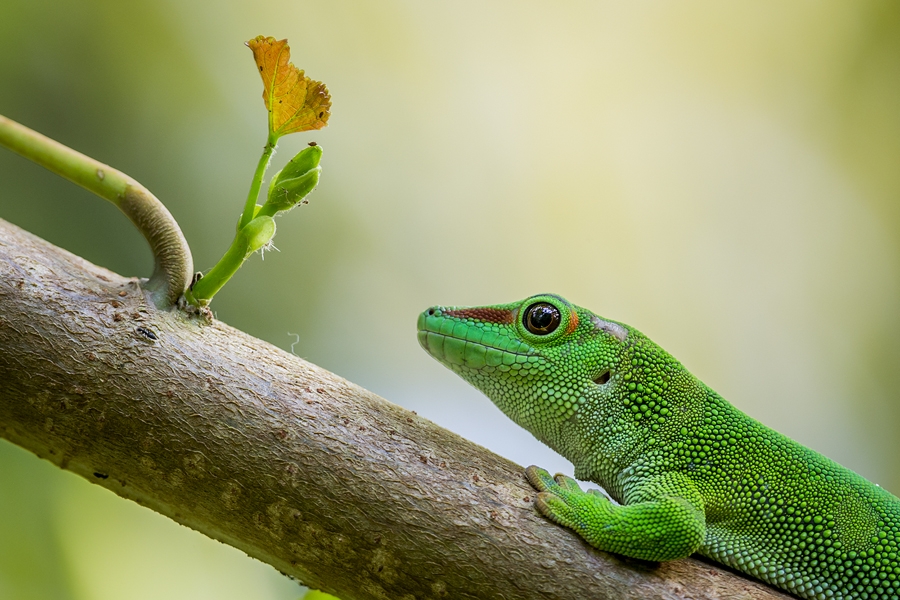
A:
294, 182
256, 209
305, 161
257, 233
287, 193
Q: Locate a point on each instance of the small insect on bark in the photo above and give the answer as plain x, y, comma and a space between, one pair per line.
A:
146, 333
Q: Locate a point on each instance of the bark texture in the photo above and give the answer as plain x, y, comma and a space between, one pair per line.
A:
292, 464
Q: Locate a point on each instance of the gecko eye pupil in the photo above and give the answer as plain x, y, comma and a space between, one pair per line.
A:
541, 318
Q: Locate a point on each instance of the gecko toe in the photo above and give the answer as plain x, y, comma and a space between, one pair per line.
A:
539, 478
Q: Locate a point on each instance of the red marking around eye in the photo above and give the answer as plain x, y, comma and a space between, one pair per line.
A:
573, 323
489, 315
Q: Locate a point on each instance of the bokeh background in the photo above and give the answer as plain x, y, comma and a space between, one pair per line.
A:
723, 176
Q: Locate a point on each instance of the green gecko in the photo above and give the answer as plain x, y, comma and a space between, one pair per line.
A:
690, 472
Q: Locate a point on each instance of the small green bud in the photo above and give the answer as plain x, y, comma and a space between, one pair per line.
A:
256, 209
294, 182
287, 193
305, 161
257, 233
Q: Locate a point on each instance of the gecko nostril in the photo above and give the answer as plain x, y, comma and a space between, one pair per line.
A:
430, 312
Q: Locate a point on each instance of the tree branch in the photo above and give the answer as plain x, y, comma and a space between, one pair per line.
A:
295, 466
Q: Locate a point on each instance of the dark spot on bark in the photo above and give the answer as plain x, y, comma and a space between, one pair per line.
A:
320, 390
118, 317
475, 478
147, 333
100, 475
320, 114
527, 499
424, 459
115, 303
408, 420
123, 293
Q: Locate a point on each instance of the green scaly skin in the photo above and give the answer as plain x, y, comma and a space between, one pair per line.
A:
690, 472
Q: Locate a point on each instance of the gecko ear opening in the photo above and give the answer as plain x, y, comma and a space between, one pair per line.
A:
602, 378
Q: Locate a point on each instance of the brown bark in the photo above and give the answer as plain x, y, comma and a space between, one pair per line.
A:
295, 466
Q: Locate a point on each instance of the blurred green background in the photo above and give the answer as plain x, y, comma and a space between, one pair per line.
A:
723, 176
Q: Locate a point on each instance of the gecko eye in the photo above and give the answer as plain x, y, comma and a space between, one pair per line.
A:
541, 318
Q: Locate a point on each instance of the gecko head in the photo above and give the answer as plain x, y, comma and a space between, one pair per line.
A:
540, 360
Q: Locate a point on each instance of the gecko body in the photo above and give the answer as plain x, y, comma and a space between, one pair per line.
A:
690, 472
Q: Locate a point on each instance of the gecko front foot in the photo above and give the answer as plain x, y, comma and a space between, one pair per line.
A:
563, 501
665, 526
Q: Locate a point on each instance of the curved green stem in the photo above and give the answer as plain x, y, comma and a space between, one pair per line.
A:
172, 256
261, 167
203, 290
254, 236
207, 287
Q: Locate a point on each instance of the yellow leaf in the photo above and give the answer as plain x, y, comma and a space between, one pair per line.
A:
294, 101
